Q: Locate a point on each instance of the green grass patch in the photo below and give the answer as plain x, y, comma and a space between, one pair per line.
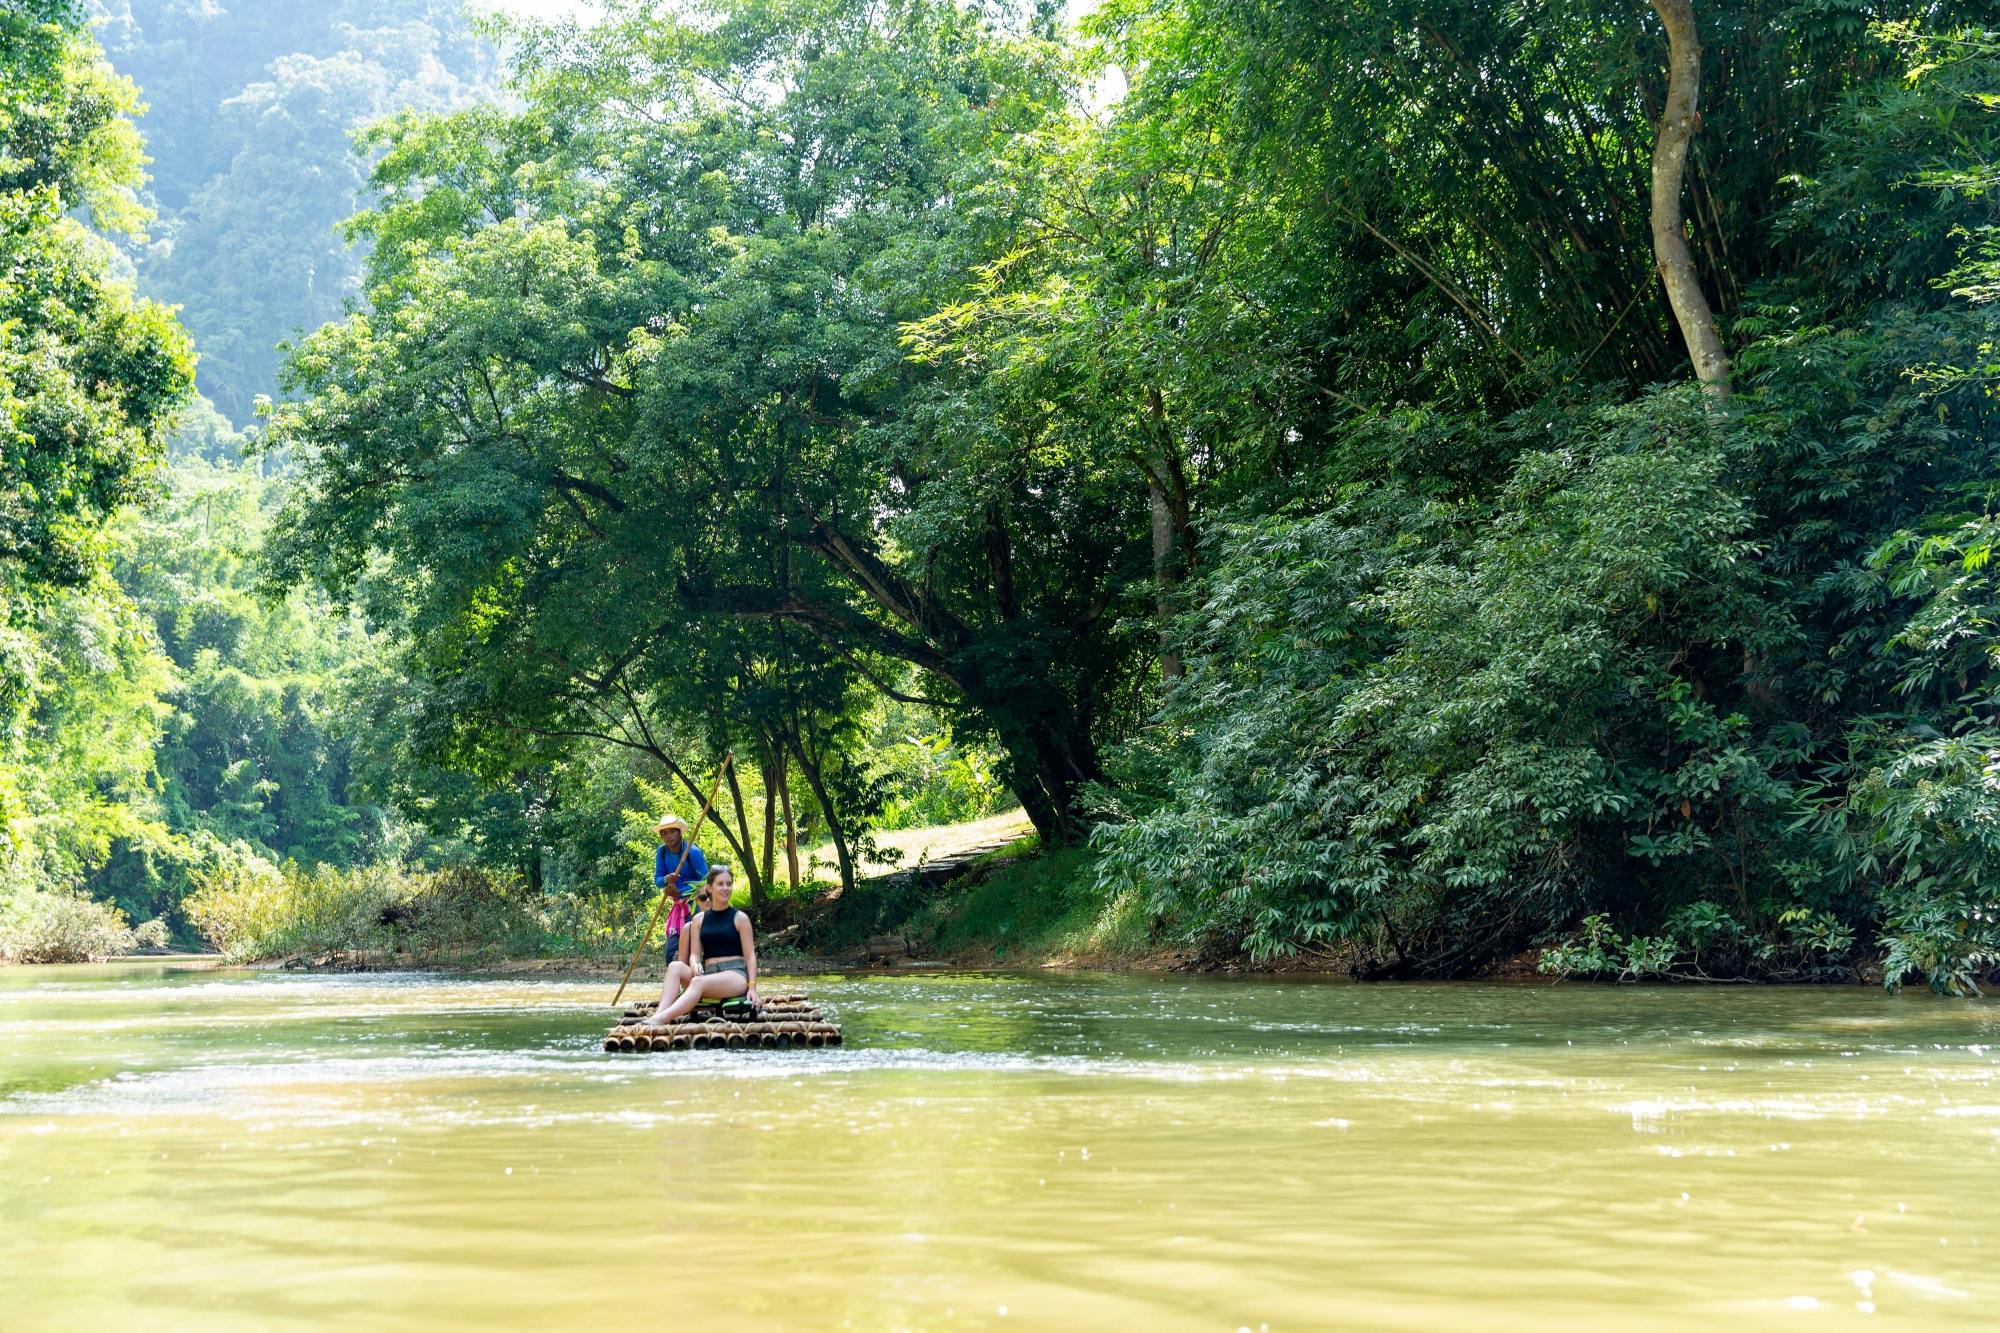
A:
1031, 907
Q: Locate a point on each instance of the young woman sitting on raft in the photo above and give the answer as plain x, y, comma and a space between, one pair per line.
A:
722, 954
680, 942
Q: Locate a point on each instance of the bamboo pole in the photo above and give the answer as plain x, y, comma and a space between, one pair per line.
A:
666, 890
767, 773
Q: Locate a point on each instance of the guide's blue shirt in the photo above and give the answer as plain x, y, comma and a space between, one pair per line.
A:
693, 873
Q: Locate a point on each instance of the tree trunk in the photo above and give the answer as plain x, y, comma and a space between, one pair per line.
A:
816, 781
1158, 470
769, 772
1163, 566
1049, 767
1670, 154
791, 825
749, 848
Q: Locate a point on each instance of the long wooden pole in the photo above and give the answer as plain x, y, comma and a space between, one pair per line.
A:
666, 890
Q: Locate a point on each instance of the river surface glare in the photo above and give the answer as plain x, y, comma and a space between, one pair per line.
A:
196, 1149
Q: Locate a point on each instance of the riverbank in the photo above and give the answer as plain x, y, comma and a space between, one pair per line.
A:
967, 897
1013, 907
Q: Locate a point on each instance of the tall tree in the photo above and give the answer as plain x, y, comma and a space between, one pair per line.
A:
1678, 122
89, 378
88, 375
632, 373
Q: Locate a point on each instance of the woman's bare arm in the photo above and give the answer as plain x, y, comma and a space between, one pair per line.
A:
749, 938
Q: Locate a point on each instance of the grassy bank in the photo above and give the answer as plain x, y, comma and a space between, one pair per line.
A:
891, 850
1028, 907
1015, 907
1019, 906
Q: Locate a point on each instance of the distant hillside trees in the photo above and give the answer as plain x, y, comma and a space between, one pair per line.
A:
253, 108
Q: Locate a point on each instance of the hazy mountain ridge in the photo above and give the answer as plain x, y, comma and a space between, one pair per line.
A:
252, 107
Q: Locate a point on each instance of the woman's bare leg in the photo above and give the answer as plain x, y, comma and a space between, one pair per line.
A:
709, 986
678, 976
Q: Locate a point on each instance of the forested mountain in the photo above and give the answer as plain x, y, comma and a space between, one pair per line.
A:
252, 111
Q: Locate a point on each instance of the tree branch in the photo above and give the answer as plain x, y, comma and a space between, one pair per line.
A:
749, 603
888, 589
1430, 275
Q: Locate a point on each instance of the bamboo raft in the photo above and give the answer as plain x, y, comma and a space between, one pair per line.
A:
782, 1022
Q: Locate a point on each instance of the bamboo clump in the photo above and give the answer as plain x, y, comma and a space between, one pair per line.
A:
783, 1022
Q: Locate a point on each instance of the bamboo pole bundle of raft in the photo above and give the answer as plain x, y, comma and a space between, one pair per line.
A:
783, 1022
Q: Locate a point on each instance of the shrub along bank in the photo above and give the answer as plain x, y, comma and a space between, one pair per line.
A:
65, 926
249, 909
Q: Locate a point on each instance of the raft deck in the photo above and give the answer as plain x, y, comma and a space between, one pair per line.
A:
782, 1022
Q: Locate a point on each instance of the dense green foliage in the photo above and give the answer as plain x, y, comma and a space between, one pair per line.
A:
89, 378
929, 776
257, 745
1254, 436
1527, 639
611, 444
161, 715
160, 712
777, 351
87, 374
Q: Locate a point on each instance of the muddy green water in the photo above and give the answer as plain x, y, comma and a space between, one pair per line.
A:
214, 1150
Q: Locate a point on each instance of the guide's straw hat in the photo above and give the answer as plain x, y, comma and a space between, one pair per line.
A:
672, 821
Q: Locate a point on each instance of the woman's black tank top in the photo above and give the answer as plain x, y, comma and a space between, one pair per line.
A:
718, 934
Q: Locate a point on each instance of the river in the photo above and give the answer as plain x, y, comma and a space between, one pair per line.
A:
184, 1148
